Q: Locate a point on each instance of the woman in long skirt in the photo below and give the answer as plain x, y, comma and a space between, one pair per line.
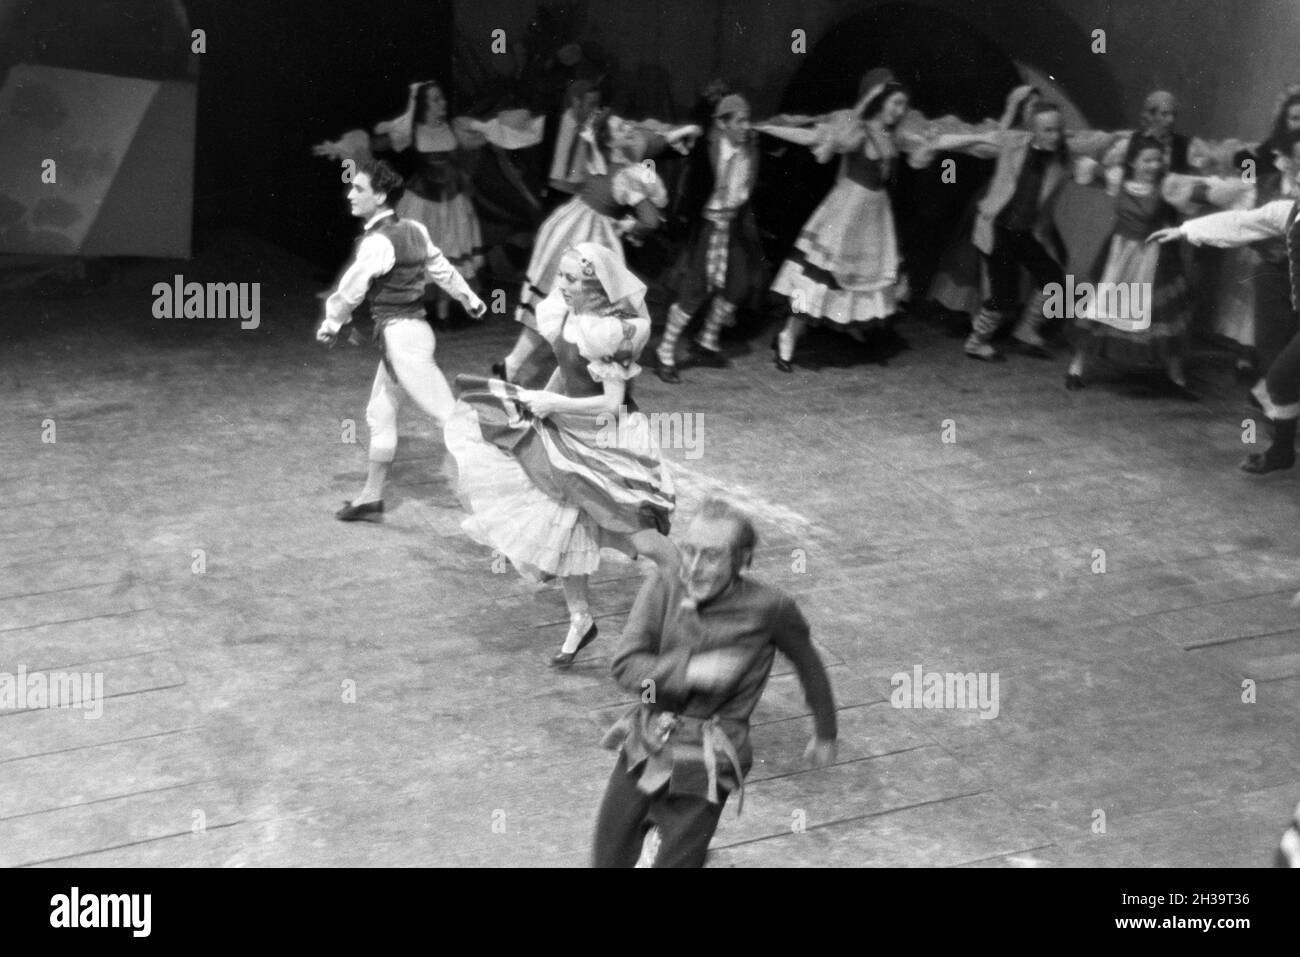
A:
620, 198
437, 156
1157, 318
553, 478
845, 269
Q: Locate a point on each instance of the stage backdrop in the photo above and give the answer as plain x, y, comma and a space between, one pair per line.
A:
101, 165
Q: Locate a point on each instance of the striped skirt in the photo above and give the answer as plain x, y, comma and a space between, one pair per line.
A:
845, 267
553, 495
574, 222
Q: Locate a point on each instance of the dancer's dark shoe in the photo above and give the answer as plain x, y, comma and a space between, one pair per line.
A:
1033, 349
1274, 459
563, 660
1074, 382
700, 356
782, 365
1278, 456
365, 512
667, 373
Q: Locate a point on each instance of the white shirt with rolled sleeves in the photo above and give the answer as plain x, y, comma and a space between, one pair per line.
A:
375, 256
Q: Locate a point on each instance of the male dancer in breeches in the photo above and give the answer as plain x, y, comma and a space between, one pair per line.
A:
394, 260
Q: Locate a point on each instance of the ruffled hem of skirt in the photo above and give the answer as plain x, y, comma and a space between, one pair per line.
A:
542, 538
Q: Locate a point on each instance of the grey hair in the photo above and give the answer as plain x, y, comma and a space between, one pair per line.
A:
744, 538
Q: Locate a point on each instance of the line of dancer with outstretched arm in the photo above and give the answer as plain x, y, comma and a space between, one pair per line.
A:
543, 487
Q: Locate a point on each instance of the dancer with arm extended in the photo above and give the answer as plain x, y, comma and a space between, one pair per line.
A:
1275, 320
723, 258
440, 152
620, 196
1014, 228
1278, 393
956, 287
394, 260
1127, 261
845, 269
552, 477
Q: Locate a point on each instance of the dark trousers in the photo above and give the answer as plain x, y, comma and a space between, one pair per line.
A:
686, 824
1283, 377
1275, 320
1012, 251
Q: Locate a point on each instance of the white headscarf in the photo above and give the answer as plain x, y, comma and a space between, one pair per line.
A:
619, 283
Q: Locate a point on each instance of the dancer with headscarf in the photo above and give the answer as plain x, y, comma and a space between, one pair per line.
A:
845, 269
552, 477
620, 197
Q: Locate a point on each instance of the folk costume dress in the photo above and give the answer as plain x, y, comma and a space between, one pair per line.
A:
437, 165
1222, 279
552, 493
1126, 257
845, 267
611, 191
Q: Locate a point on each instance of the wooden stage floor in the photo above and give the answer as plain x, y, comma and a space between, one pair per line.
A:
178, 539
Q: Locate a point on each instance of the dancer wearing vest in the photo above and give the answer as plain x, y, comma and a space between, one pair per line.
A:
1270, 278
439, 155
1278, 393
723, 259
956, 285
394, 260
1014, 229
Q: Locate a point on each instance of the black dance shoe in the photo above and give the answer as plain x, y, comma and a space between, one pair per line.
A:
1275, 459
667, 373
366, 512
1074, 382
499, 371
564, 659
1035, 350
782, 365
700, 356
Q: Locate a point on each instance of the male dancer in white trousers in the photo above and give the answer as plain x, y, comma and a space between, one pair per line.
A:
394, 260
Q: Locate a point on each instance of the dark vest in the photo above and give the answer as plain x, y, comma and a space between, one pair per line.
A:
399, 291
